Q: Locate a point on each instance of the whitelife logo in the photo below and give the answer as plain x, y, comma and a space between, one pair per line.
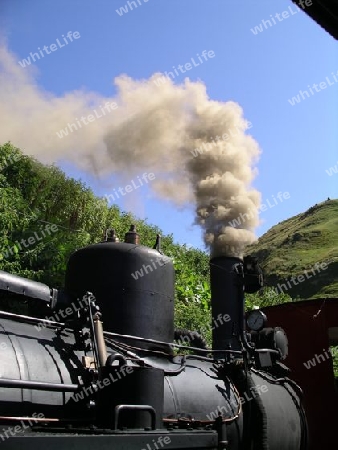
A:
332, 170
109, 106
243, 217
139, 273
187, 66
280, 16
318, 87
254, 391
185, 340
53, 47
161, 441
125, 9
322, 357
20, 428
48, 230
316, 269
208, 146
130, 187
64, 313
101, 384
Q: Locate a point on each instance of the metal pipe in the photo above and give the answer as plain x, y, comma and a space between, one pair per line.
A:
92, 330
101, 345
31, 290
38, 385
35, 419
227, 302
29, 319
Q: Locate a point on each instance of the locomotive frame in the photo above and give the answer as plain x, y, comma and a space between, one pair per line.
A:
119, 383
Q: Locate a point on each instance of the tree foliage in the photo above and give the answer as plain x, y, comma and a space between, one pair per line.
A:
34, 196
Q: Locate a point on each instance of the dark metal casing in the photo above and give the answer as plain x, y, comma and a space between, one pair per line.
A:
227, 299
140, 386
133, 285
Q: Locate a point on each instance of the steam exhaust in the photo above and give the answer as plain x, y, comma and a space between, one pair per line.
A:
230, 278
197, 148
227, 301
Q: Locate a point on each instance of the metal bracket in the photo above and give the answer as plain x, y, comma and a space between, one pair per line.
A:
147, 408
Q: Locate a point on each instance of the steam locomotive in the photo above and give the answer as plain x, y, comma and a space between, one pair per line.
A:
103, 370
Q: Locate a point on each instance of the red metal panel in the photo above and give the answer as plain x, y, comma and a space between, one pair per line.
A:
306, 324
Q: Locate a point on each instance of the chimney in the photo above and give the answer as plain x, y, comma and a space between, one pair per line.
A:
230, 277
227, 301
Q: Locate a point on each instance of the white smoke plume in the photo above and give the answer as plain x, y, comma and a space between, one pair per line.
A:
155, 128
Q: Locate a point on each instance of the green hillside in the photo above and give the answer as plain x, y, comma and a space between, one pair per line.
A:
298, 246
45, 216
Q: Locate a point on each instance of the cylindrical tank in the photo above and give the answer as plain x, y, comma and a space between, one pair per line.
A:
133, 286
33, 352
283, 425
227, 302
196, 394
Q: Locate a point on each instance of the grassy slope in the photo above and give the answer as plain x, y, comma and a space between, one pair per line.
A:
296, 245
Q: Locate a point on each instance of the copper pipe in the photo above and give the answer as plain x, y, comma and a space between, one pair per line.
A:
36, 419
101, 345
43, 419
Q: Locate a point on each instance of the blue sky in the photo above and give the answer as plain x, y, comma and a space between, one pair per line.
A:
260, 71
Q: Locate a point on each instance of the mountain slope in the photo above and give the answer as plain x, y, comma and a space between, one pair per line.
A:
302, 246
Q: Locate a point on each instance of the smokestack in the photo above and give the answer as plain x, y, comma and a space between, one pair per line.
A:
230, 277
227, 302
